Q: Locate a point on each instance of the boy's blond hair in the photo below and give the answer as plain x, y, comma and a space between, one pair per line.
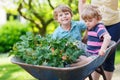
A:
91, 11
61, 8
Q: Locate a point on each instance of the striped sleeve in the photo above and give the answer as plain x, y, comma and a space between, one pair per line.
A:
101, 31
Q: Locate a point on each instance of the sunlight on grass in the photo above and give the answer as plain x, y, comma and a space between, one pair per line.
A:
25, 76
117, 58
4, 59
9, 71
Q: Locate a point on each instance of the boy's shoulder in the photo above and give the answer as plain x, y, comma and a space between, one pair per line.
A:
79, 24
100, 25
58, 29
80, 21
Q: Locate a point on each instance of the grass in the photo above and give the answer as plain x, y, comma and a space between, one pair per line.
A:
9, 71
117, 58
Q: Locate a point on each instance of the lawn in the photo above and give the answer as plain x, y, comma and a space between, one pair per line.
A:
9, 71
117, 60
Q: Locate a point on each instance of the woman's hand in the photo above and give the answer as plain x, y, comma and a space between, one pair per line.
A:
82, 1
80, 6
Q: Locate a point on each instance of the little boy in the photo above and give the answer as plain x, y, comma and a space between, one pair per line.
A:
98, 37
67, 28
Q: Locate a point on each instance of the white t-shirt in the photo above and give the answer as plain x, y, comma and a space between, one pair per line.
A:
109, 10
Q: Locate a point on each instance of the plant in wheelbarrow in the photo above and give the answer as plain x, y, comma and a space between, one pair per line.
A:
45, 51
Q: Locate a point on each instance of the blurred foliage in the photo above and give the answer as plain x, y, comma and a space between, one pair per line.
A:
40, 12
10, 33
118, 48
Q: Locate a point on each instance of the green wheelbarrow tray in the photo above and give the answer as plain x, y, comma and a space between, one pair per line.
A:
67, 73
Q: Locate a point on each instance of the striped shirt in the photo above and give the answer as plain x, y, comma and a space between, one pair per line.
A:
95, 38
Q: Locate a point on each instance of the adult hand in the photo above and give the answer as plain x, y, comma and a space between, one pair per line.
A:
80, 6
82, 1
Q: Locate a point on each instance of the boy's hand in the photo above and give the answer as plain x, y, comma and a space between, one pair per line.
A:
101, 52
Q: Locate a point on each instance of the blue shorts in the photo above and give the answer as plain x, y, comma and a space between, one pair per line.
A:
83, 46
90, 55
114, 31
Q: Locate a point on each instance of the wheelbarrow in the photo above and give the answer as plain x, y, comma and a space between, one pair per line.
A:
67, 73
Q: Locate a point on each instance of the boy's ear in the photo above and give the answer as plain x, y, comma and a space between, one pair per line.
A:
57, 21
99, 18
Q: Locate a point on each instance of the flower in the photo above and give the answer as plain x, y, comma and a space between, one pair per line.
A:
64, 57
37, 50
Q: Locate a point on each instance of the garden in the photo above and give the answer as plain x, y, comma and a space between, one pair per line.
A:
10, 71
23, 38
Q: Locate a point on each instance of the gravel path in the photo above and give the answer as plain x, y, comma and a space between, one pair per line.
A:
116, 75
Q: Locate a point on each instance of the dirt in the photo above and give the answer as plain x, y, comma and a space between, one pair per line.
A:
116, 75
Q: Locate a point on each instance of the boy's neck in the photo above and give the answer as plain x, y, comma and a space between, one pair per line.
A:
66, 27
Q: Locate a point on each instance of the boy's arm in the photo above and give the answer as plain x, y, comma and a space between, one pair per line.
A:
80, 6
106, 41
84, 38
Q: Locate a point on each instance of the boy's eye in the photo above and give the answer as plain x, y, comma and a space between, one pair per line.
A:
60, 15
66, 13
85, 20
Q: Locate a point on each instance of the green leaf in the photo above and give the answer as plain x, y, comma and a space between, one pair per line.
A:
46, 51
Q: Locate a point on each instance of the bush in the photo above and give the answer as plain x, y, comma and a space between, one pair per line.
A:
46, 51
10, 33
118, 48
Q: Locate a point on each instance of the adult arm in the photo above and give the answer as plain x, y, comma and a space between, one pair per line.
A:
84, 38
81, 6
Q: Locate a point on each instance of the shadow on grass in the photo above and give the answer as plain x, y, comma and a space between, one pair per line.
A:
13, 72
7, 70
10, 71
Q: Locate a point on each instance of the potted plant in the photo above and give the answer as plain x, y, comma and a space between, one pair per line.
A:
45, 51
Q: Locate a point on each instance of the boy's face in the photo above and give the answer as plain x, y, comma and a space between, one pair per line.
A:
91, 23
64, 18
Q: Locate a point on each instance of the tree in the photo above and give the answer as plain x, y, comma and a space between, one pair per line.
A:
39, 12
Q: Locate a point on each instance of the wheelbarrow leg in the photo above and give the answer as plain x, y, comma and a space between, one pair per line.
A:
90, 77
101, 71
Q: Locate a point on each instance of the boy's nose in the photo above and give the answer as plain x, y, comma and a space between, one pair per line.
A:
87, 23
64, 15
